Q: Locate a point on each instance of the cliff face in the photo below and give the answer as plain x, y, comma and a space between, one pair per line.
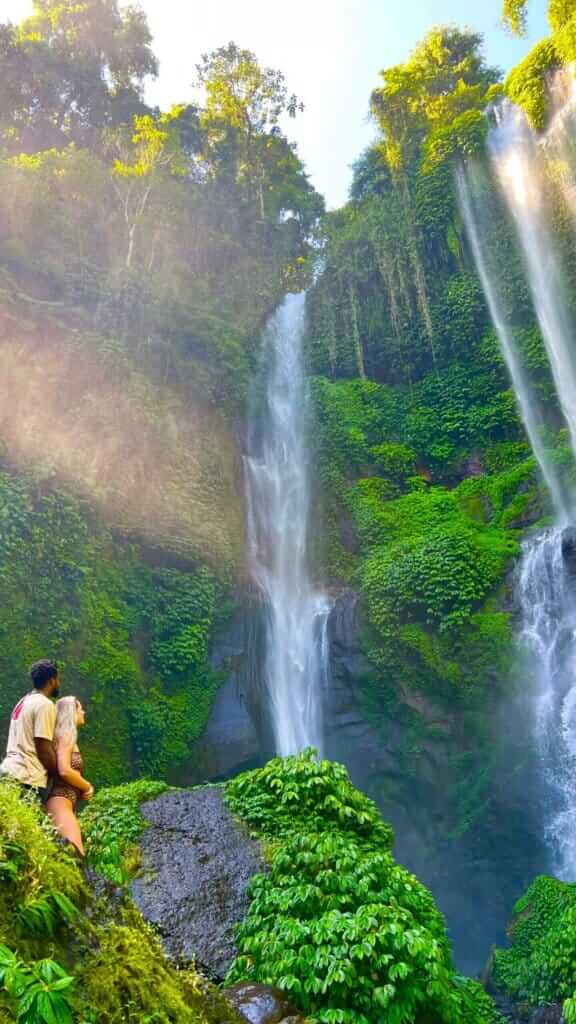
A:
121, 538
455, 797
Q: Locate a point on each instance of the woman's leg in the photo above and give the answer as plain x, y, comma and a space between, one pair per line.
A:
62, 813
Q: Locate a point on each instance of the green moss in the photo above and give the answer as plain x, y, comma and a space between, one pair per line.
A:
33, 875
127, 979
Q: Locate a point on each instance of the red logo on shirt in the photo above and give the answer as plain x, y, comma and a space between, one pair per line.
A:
18, 710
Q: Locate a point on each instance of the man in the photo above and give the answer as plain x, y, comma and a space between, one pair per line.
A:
30, 758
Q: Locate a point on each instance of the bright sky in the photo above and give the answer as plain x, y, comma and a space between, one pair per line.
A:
330, 51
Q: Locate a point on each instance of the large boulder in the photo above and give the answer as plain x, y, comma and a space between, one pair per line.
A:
197, 865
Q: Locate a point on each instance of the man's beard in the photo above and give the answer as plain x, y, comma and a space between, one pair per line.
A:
56, 692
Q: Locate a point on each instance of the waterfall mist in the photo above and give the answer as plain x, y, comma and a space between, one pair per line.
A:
85, 420
279, 506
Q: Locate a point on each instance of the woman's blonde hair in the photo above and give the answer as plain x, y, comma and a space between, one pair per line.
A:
65, 729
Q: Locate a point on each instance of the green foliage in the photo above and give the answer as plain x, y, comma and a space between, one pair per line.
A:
133, 640
440, 577
464, 137
349, 934
40, 991
394, 460
112, 822
318, 792
526, 84
514, 15
115, 970
39, 893
540, 965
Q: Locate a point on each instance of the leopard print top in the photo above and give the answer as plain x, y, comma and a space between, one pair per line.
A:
63, 788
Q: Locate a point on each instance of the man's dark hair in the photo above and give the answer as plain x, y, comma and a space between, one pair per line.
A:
42, 672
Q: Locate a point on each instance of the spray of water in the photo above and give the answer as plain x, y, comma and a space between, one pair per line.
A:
153, 465
278, 485
520, 169
467, 186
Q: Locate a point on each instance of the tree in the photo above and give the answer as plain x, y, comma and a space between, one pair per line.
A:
151, 154
73, 67
560, 13
244, 106
445, 77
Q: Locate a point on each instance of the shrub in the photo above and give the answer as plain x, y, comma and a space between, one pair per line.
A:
540, 966
349, 934
39, 891
112, 822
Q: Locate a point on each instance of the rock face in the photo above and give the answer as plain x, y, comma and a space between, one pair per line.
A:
197, 864
547, 1015
569, 549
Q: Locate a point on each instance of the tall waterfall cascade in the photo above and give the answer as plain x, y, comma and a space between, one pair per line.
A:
521, 163
279, 513
546, 592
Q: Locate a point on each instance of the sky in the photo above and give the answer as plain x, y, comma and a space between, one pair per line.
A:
331, 52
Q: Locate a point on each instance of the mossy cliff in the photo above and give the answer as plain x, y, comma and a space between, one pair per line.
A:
68, 956
351, 936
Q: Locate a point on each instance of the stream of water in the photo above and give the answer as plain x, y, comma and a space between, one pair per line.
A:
279, 507
546, 593
546, 579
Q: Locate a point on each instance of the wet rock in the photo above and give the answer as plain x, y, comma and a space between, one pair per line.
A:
569, 549
197, 865
261, 1004
547, 1015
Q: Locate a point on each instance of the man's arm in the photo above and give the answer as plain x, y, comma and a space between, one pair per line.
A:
46, 755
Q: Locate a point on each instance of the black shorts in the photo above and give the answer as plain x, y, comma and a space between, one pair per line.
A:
41, 793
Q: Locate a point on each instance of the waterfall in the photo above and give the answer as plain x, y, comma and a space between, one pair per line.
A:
467, 188
546, 592
278, 493
521, 171
546, 578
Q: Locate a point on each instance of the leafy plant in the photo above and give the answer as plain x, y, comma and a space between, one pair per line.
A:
111, 824
41, 991
351, 935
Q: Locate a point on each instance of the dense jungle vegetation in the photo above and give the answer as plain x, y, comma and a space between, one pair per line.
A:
425, 473
141, 252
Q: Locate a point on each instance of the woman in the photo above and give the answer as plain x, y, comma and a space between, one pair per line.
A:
69, 784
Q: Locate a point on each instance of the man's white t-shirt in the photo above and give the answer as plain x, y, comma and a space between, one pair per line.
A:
33, 718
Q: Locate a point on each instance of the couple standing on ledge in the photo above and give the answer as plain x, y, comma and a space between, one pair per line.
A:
42, 753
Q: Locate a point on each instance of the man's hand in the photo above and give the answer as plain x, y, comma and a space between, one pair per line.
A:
46, 755
88, 794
